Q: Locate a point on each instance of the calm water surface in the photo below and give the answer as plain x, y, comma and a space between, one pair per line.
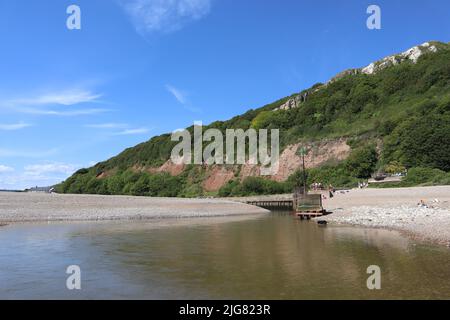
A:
266, 257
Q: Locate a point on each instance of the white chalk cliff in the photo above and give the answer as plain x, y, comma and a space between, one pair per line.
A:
412, 54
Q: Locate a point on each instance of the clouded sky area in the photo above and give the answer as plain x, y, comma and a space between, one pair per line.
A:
138, 68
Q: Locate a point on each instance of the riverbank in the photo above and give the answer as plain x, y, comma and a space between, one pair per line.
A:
42, 207
395, 209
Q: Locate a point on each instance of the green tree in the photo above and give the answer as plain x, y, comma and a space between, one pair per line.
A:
362, 162
115, 184
141, 186
425, 142
261, 120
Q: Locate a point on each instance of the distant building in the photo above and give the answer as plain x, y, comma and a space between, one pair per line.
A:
41, 189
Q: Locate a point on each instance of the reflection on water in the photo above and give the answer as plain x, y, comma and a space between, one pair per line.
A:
265, 257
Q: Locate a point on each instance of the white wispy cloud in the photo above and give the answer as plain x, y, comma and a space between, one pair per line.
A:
39, 104
14, 126
128, 132
40, 174
5, 169
50, 168
63, 113
27, 153
164, 16
177, 93
181, 97
66, 97
107, 125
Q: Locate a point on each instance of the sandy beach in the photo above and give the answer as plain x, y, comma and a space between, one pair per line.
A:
396, 209
39, 207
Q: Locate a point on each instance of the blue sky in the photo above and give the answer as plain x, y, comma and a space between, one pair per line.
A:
138, 68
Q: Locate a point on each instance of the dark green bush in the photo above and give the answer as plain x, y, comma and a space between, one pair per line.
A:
362, 162
417, 176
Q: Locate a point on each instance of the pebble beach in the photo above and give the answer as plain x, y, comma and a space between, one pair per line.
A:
395, 209
42, 207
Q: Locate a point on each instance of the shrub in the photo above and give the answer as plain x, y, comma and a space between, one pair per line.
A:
115, 185
336, 176
420, 175
229, 189
362, 162
425, 142
253, 186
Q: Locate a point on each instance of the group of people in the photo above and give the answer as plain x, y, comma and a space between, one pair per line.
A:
316, 186
423, 204
362, 185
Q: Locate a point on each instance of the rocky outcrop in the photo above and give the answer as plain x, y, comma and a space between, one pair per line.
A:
343, 74
412, 54
293, 102
290, 104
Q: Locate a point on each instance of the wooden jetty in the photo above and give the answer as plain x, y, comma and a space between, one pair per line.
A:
308, 206
304, 206
273, 204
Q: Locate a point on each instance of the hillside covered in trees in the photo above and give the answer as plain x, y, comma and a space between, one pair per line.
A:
394, 115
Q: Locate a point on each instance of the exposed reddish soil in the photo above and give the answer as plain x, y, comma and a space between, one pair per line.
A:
319, 153
217, 176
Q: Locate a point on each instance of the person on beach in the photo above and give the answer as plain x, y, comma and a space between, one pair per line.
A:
422, 204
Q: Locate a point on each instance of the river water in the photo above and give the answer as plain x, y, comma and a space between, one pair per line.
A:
263, 257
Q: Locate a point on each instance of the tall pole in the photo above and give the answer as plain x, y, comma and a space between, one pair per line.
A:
304, 175
303, 152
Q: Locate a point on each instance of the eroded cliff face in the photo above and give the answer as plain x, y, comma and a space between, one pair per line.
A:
320, 152
217, 176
